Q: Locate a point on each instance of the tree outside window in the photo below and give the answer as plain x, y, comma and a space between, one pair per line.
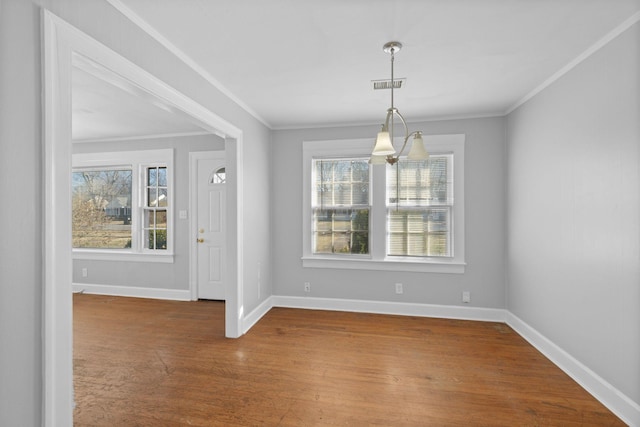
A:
101, 209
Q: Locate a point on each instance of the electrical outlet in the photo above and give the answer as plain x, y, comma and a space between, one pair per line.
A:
398, 288
466, 297
307, 286
85, 272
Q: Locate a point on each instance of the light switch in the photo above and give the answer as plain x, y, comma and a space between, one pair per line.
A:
182, 214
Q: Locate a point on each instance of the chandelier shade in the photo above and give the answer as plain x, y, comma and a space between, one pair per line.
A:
417, 152
383, 146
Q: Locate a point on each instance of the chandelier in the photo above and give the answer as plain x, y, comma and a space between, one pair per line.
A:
383, 150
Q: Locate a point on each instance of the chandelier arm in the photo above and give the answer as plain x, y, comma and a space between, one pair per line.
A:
390, 113
406, 139
404, 123
406, 136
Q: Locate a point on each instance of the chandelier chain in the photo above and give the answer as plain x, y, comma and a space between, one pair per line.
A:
392, 80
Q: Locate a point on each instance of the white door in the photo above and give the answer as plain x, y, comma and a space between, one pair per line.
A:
211, 227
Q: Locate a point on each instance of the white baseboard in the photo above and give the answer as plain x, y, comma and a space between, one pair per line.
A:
617, 402
397, 308
256, 314
133, 291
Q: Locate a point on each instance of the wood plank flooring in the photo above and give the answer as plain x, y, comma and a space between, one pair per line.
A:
141, 362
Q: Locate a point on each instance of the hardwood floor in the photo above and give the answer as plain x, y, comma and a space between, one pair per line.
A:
141, 362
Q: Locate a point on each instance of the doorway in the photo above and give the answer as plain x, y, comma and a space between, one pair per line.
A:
60, 42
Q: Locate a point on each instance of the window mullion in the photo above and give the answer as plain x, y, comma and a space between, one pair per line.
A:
378, 214
140, 212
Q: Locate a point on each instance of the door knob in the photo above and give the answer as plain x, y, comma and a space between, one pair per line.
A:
200, 240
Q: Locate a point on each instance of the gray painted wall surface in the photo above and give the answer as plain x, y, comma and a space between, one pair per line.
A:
484, 217
573, 209
144, 274
20, 227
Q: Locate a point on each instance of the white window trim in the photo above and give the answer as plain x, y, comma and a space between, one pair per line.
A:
138, 160
377, 259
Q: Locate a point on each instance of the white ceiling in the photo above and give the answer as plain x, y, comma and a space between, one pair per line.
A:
298, 63
105, 106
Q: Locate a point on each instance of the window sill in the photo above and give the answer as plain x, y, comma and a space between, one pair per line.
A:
98, 255
450, 267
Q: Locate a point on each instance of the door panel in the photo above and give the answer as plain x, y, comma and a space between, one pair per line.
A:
215, 264
211, 222
214, 206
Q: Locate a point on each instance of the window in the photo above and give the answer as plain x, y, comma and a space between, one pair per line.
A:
155, 208
101, 208
419, 206
402, 217
122, 205
340, 206
218, 177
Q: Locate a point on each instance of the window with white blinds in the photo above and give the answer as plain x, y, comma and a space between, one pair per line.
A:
405, 217
419, 206
340, 206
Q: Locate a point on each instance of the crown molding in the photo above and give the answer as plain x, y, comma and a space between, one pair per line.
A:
155, 34
625, 25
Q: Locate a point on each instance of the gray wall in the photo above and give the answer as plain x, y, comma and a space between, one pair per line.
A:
573, 211
484, 217
21, 156
257, 202
20, 227
143, 274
